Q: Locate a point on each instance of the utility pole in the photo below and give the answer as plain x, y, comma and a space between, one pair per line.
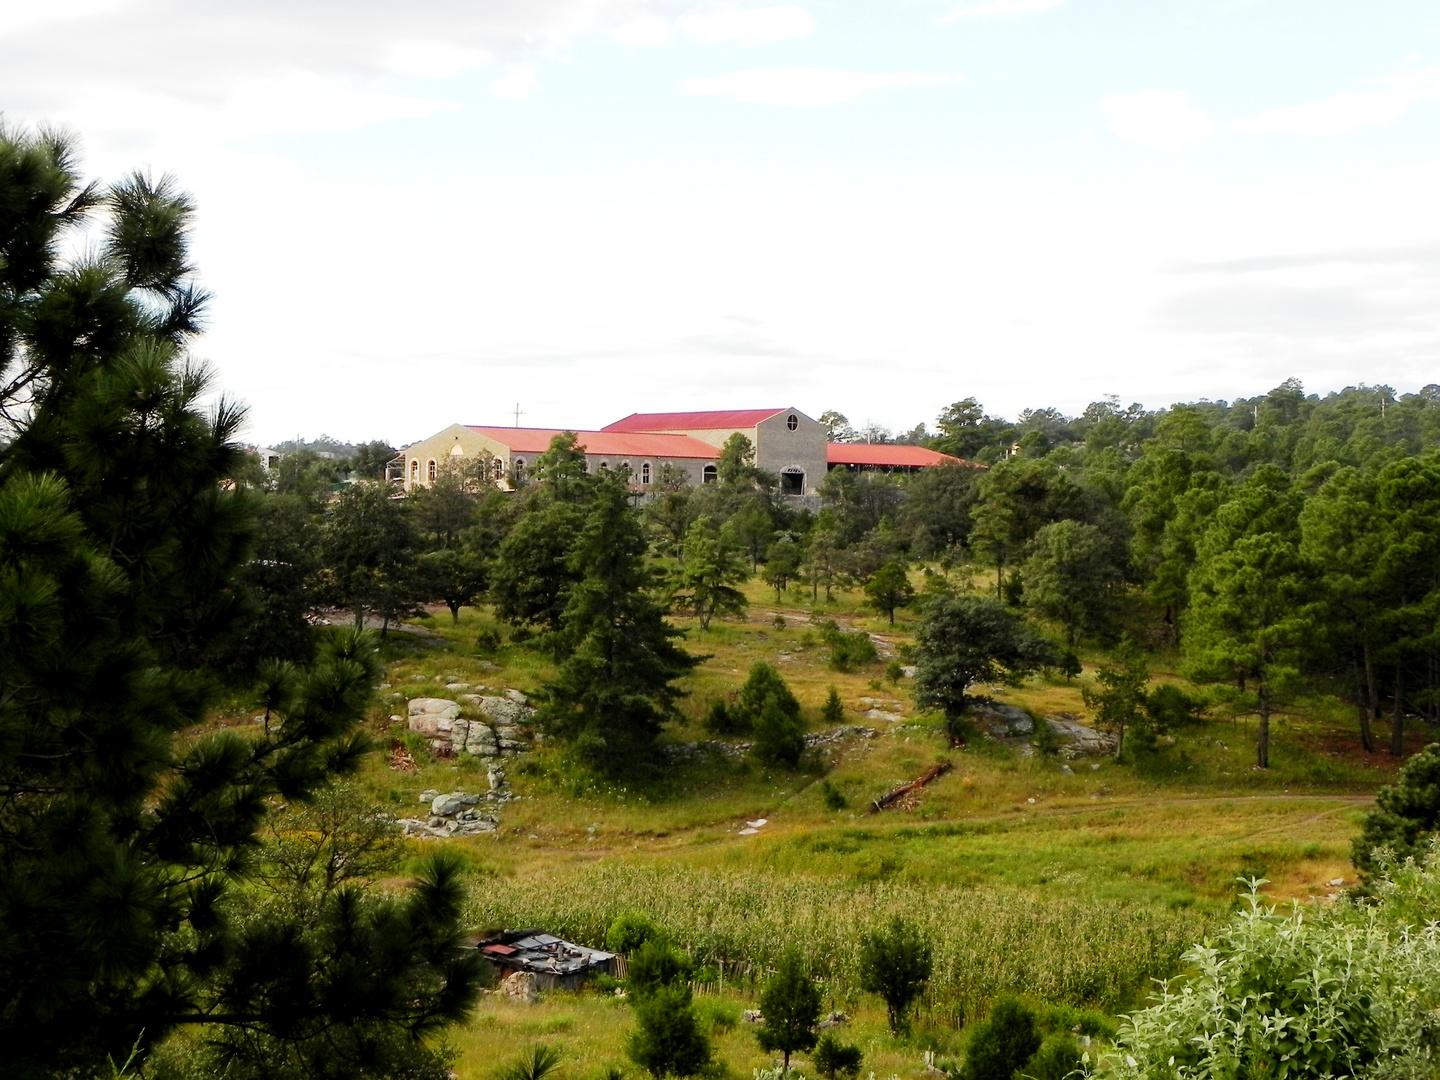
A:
517, 414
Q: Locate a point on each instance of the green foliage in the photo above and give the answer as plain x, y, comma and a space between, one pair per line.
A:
1119, 701
370, 551
455, 576
1001, 1044
764, 682
1345, 990
790, 1004
782, 563
667, 1040
718, 1014
895, 963
721, 719
833, 1059
889, 589
629, 931
615, 686
1251, 615
1058, 1057
657, 964
849, 650
832, 797
709, 570
1074, 576
540, 1062
127, 825
967, 640
779, 735
1406, 815
532, 573
833, 711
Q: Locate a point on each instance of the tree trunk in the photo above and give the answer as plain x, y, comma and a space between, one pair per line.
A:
1397, 717
1368, 704
359, 617
1262, 738
454, 612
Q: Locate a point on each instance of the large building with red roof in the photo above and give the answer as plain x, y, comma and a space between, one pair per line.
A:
787, 443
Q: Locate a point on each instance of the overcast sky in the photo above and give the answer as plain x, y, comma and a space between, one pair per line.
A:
417, 214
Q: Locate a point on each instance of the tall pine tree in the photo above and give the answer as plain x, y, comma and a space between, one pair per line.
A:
615, 686
121, 833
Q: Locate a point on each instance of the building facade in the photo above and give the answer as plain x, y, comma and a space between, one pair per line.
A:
787, 443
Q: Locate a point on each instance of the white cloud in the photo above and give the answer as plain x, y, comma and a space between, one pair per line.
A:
1000, 9
1341, 114
1159, 119
650, 31
518, 85
805, 87
747, 26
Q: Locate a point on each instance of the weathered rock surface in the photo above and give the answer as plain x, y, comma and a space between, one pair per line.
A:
1080, 740
433, 717
1005, 721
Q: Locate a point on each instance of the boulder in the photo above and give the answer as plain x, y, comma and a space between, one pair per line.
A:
1005, 721
448, 805
479, 740
1080, 739
433, 717
503, 710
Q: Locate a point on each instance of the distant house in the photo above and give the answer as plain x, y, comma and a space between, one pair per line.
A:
556, 964
787, 443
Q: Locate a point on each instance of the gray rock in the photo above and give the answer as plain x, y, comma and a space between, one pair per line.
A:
383, 686
496, 776
437, 822
1005, 721
433, 717
517, 697
881, 714
428, 795
448, 805
504, 711
457, 686
1067, 770
1080, 740
480, 740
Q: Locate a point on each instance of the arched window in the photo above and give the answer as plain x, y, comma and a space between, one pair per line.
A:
519, 469
414, 469
431, 470
645, 473
710, 474
457, 450
605, 465
792, 421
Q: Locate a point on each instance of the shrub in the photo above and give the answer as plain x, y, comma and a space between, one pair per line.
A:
894, 671
850, 651
487, 642
723, 720
1002, 1042
763, 682
834, 1059
895, 963
833, 711
778, 736
790, 1004
539, 1063
1057, 1058
657, 965
832, 797
1406, 814
667, 1040
628, 932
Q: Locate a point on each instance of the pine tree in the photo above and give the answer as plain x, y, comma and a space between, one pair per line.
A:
120, 542
790, 1004
615, 686
895, 963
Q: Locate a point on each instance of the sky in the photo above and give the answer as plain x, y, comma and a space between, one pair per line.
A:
447, 210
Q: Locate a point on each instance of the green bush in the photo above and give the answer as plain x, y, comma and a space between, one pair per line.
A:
723, 720
628, 932
1057, 1058
895, 964
832, 797
656, 965
833, 1059
833, 711
1001, 1043
764, 682
667, 1040
779, 739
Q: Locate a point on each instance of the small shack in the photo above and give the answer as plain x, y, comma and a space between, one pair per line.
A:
557, 964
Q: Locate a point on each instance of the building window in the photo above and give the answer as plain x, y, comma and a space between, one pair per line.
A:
645, 473
792, 421
519, 469
457, 450
605, 465
710, 474
431, 470
414, 469
792, 482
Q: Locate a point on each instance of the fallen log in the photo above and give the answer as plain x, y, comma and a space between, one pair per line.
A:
939, 769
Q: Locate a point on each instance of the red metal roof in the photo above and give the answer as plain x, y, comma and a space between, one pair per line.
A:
604, 443
692, 421
886, 454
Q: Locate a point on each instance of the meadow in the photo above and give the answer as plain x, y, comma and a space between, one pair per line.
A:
1074, 883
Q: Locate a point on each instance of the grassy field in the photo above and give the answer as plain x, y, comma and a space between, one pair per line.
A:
1071, 886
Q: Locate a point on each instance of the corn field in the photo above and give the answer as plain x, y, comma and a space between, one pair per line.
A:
985, 942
